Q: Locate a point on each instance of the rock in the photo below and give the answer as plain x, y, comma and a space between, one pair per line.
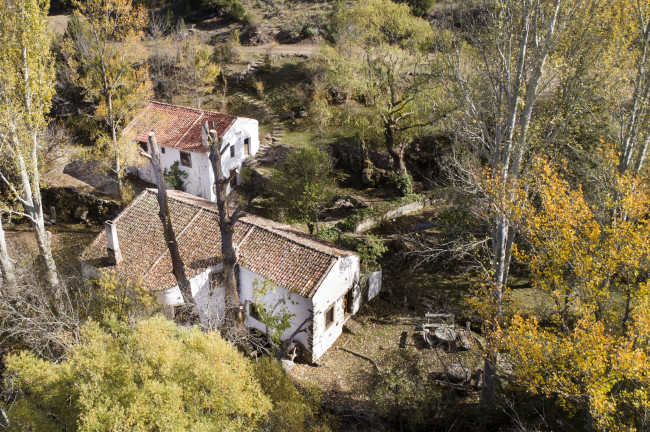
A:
348, 201
302, 114
457, 373
287, 365
81, 213
465, 339
446, 334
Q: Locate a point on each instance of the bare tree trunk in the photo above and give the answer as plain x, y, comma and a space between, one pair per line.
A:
178, 267
6, 265
116, 147
396, 154
34, 209
227, 225
514, 56
641, 95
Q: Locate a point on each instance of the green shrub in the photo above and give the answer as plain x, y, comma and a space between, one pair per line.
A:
175, 176
225, 53
153, 375
402, 183
293, 410
232, 9
350, 222
419, 7
370, 250
309, 30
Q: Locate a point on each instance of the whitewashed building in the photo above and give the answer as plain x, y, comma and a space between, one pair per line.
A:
181, 138
320, 281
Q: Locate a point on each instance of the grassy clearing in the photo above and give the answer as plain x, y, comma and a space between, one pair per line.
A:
287, 14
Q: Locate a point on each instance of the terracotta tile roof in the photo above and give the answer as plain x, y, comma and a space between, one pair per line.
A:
176, 126
277, 252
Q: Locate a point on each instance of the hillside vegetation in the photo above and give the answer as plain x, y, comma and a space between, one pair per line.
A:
519, 129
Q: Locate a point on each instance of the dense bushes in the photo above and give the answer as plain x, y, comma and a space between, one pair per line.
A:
370, 249
152, 376
419, 7
293, 410
232, 9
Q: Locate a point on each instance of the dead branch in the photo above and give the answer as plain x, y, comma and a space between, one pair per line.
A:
374, 363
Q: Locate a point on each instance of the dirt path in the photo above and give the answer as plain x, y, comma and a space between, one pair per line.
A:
307, 49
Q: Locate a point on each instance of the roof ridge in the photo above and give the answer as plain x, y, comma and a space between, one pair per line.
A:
198, 110
296, 242
250, 220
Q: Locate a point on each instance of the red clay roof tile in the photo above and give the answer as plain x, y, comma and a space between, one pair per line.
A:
176, 126
277, 252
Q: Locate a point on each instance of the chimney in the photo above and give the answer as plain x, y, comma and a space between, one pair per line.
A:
112, 244
204, 134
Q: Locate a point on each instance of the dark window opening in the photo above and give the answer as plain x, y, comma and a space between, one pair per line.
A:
247, 146
329, 316
162, 150
144, 146
233, 175
348, 302
186, 159
254, 311
232, 151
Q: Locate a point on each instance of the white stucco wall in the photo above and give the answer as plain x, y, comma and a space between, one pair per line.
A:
374, 283
242, 128
199, 176
343, 276
295, 304
211, 302
200, 179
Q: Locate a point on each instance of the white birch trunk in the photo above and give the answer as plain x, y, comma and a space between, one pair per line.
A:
8, 272
34, 209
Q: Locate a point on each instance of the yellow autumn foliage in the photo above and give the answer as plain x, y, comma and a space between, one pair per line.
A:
153, 375
594, 265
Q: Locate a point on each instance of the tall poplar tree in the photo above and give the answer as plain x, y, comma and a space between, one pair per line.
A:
499, 73
105, 64
26, 90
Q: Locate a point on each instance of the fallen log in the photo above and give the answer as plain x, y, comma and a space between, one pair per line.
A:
374, 363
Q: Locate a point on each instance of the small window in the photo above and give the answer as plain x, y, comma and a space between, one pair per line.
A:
144, 146
186, 159
329, 316
247, 146
233, 175
162, 150
232, 151
253, 311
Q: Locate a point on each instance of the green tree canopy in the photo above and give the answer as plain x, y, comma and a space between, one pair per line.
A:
154, 375
303, 182
380, 57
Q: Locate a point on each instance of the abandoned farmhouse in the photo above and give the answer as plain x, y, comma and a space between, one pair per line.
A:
181, 137
319, 282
